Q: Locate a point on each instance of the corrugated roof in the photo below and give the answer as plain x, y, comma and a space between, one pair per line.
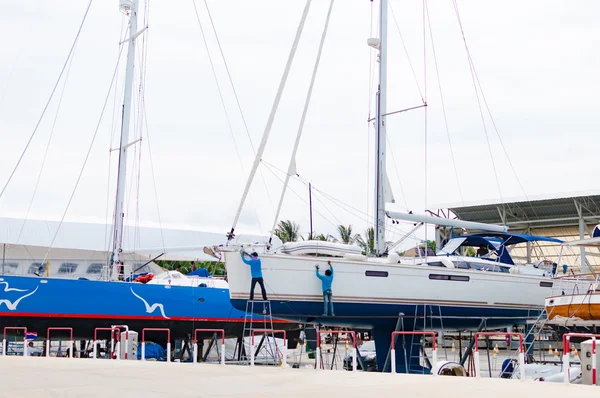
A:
558, 212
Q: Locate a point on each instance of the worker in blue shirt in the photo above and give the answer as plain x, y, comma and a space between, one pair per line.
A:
326, 281
255, 270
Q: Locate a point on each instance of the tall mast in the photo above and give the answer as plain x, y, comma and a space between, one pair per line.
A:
128, 7
380, 145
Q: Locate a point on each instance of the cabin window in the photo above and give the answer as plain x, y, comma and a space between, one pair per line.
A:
36, 267
441, 277
382, 274
95, 268
67, 268
546, 284
9, 268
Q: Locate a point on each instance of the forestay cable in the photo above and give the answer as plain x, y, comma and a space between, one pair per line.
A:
265, 137
87, 156
292, 165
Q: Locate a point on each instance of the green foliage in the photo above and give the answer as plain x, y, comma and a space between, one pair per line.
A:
368, 242
315, 236
345, 233
470, 252
287, 231
214, 268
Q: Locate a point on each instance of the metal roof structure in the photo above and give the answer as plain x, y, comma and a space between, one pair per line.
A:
545, 213
567, 218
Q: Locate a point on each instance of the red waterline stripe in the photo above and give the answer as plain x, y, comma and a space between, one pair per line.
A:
136, 317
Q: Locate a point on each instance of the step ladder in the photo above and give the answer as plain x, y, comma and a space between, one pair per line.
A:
257, 321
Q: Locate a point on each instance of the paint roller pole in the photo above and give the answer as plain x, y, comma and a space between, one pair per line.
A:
95, 350
195, 359
143, 350
72, 346
393, 358
168, 351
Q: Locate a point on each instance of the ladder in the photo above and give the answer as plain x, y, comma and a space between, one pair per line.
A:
253, 321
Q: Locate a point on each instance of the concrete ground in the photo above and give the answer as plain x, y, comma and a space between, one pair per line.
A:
64, 377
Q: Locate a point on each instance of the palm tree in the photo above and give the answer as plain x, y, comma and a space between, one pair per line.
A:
287, 231
322, 237
368, 242
345, 233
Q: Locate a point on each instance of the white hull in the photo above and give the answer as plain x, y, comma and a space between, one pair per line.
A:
292, 279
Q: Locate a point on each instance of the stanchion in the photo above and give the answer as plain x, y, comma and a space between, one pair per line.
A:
272, 331
5, 346
566, 361
521, 351
70, 342
433, 345
112, 340
354, 351
222, 331
156, 330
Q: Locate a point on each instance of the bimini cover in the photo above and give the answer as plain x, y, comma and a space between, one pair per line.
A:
314, 247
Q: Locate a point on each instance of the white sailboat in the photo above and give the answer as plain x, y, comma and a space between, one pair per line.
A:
383, 293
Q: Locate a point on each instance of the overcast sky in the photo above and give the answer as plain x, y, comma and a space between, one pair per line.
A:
537, 62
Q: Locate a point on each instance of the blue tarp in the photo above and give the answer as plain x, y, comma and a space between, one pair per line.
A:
201, 272
153, 351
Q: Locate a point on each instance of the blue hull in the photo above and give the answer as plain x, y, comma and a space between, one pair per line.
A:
39, 303
369, 316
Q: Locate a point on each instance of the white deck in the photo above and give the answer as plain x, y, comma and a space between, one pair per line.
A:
62, 377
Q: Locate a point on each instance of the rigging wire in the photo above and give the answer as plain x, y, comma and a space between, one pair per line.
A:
49, 99
222, 99
237, 100
268, 167
423, 97
39, 177
86, 157
476, 77
437, 71
363, 216
472, 69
